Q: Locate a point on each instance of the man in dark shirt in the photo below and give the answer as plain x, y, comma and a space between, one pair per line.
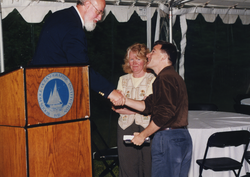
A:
168, 107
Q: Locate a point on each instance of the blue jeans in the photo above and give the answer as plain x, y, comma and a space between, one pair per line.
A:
171, 153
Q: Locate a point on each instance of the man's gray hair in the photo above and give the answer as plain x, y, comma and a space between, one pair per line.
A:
81, 2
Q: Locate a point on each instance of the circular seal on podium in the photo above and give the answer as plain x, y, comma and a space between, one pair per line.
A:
55, 95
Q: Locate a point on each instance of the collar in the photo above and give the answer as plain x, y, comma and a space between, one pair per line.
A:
167, 68
79, 16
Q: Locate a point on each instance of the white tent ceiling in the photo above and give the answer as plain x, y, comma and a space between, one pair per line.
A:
33, 11
241, 4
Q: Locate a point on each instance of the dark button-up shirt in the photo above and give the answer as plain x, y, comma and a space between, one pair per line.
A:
168, 105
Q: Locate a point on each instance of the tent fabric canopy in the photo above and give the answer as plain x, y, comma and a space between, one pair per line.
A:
33, 11
228, 16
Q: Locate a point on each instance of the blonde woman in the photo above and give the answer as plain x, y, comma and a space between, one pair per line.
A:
137, 84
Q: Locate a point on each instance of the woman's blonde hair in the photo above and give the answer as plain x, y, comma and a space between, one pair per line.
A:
141, 51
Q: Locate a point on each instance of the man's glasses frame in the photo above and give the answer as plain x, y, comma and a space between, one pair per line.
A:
98, 12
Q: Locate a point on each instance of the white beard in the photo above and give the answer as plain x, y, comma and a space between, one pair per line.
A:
90, 25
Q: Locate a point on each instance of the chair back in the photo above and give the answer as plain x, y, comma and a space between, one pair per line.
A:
221, 140
231, 138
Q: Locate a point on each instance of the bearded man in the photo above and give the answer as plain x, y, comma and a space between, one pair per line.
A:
63, 41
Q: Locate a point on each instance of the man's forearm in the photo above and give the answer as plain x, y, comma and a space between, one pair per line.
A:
135, 104
151, 129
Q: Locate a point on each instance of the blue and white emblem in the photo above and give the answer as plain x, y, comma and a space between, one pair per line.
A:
55, 95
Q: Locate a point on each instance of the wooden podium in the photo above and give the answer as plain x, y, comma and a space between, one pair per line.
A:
44, 125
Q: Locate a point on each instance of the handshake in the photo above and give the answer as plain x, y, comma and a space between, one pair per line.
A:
117, 98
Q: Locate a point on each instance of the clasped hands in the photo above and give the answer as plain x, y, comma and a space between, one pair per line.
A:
117, 98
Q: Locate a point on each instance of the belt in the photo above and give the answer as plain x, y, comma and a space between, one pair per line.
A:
174, 128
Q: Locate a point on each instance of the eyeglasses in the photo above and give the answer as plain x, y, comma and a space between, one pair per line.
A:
98, 12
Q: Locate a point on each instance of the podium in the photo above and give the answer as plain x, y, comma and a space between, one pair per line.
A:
44, 125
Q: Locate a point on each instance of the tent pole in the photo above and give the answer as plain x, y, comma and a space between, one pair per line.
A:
170, 25
1, 42
149, 28
157, 28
